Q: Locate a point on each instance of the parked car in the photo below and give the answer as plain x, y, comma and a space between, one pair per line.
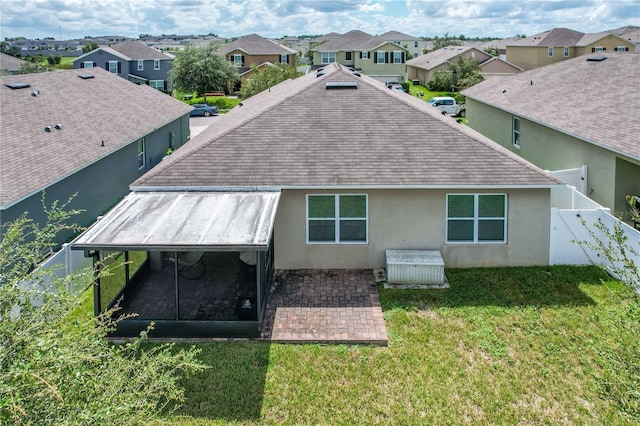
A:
448, 105
396, 86
203, 110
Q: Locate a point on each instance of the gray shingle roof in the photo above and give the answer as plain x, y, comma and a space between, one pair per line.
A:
137, 50
594, 101
347, 41
397, 36
254, 44
438, 57
299, 134
10, 63
553, 37
105, 108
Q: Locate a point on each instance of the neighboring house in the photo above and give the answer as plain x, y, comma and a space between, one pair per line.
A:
132, 60
326, 171
376, 57
254, 50
560, 44
80, 131
579, 112
501, 45
10, 65
423, 68
414, 45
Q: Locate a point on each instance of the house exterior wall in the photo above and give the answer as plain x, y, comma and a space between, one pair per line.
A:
101, 58
530, 57
100, 185
554, 150
497, 68
250, 60
609, 43
413, 219
396, 72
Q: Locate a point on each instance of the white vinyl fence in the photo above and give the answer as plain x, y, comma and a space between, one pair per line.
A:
66, 262
572, 216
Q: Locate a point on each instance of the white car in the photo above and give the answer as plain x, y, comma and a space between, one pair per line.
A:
445, 104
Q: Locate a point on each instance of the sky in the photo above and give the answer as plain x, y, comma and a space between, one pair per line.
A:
65, 19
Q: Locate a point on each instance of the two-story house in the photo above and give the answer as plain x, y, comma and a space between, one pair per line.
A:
133, 60
376, 57
559, 44
253, 50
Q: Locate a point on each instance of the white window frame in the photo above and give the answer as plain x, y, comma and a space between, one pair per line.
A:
113, 67
566, 52
283, 59
516, 136
477, 219
621, 48
397, 57
380, 56
155, 83
237, 60
598, 49
141, 147
336, 219
140, 65
156, 64
550, 52
365, 54
328, 57
88, 64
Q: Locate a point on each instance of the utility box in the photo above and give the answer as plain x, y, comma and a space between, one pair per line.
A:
415, 269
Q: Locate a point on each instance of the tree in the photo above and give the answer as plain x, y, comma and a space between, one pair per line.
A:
89, 47
266, 77
54, 59
202, 70
467, 74
492, 50
33, 67
55, 365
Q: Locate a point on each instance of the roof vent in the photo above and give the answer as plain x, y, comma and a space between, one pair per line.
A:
85, 76
35, 93
332, 85
17, 85
58, 126
320, 74
596, 58
47, 129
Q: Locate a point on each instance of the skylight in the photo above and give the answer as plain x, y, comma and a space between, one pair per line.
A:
596, 58
17, 85
85, 76
341, 85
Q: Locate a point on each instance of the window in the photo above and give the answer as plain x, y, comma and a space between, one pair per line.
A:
550, 51
516, 132
283, 59
141, 153
88, 64
237, 60
621, 49
477, 218
113, 67
365, 54
156, 64
335, 219
380, 57
397, 57
328, 57
347, 56
598, 49
157, 84
566, 52
415, 44
140, 65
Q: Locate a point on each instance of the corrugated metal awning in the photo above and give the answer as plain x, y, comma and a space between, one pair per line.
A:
182, 221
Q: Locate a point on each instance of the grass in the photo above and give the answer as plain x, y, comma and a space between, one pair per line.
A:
540, 345
223, 103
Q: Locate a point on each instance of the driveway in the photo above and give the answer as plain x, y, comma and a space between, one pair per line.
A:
198, 124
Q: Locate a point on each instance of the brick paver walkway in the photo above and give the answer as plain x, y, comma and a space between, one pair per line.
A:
332, 306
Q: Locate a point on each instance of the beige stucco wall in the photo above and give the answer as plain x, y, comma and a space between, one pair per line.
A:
609, 42
413, 219
553, 150
250, 60
529, 57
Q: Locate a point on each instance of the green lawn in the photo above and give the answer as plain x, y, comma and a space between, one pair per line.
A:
542, 345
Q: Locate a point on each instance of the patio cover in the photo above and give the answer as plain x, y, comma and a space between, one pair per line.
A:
185, 221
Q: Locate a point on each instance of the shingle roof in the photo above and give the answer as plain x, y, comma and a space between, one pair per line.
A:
11, 63
441, 56
397, 36
254, 44
135, 50
346, 41
553, 37
104, 108
594, 101
301, 134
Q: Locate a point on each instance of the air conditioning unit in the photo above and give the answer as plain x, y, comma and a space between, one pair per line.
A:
415, 269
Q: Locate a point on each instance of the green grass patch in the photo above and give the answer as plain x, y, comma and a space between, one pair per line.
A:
539, 345
223, 103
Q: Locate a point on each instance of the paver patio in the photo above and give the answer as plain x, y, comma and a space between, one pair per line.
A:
327, 306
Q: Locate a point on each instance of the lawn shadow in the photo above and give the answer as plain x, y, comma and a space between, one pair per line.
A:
502, 287
232, 388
